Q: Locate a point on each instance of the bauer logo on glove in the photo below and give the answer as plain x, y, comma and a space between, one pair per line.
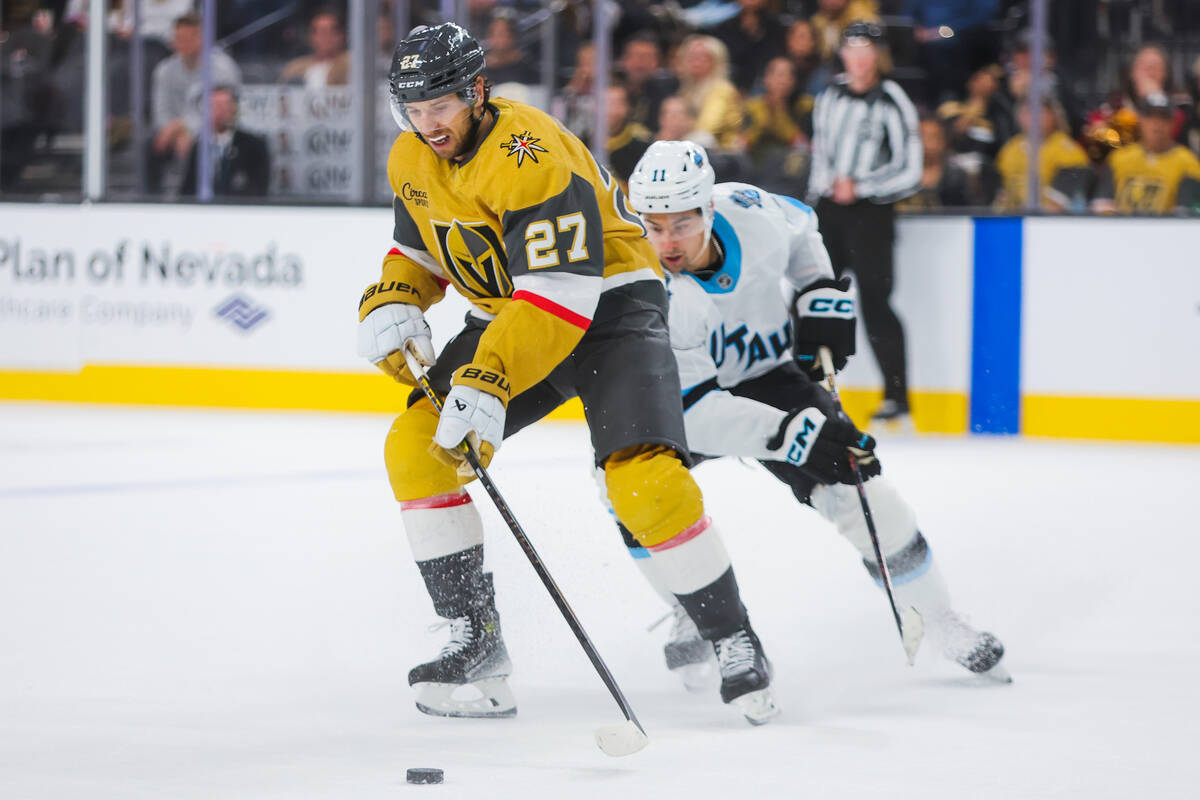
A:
404, 293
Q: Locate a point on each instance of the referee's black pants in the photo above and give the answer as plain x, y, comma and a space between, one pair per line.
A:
860, 238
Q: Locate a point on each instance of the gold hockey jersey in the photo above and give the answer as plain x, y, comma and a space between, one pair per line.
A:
530, 229
1140, 182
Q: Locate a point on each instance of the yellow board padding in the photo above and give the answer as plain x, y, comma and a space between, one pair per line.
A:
1137, 419
211, 387
932, 411
219, 387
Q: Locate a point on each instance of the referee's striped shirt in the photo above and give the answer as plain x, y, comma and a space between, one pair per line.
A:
873, 138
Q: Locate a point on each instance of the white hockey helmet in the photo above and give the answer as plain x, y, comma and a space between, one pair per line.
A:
672, 177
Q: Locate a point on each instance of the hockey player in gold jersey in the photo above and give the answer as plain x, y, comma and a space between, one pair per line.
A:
500, 201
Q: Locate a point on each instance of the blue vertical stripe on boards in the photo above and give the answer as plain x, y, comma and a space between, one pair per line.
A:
996, 327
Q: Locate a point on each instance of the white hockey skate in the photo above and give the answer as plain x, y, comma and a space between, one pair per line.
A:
979, 651
746, 676
689, 656
469, 676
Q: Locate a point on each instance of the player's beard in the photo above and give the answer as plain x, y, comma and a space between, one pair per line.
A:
469, 140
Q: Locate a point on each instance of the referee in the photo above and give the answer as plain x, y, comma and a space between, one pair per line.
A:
866, 156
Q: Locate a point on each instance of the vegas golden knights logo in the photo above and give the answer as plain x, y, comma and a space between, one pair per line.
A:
1140, 194
473, 255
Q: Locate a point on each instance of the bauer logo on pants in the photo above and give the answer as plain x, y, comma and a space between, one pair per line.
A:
242, 313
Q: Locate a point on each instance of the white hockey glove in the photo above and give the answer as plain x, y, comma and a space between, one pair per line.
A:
384, 332
474, 410
807, 438
823, 315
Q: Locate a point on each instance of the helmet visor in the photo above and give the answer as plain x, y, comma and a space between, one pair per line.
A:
427, 117
662, 229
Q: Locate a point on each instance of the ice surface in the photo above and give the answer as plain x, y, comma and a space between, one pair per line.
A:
222, 605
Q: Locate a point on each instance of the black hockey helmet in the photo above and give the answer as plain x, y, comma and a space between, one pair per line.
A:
430, 62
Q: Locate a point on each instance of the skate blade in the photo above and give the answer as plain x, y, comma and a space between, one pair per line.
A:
621, 739
699, 678
897, 427
912, 631
997, 674
757, 707
494, 699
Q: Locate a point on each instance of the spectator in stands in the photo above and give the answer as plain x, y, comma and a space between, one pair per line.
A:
1058, 152
1019, 69
812, 72
943, 184
1153, 176
574, 104
976, 128
833, 16
752, 37
241, 165
984, 120
703, 71
24, 93
677, 123
506, 61
176, 88
777, 129
648, 83
157, 23
329, 63
627, 140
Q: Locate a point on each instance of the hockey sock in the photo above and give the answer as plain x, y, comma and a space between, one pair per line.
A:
457, 583
649, 567
446, 537
895, 521
716, 608
694, 566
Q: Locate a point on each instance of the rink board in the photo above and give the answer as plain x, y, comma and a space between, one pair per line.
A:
1049, 327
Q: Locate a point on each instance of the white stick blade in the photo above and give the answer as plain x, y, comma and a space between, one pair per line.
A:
912, 632
621, 739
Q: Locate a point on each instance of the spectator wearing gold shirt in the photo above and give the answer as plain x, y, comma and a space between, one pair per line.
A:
1057, 154
1149, 177
703, 70
778, 124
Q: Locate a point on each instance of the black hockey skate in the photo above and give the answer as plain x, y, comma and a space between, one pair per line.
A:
689, 656
474, 657
746, 675
893, 417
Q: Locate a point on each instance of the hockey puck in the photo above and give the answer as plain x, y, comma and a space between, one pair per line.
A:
424, 775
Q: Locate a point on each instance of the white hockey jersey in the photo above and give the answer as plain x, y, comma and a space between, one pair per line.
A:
733, 326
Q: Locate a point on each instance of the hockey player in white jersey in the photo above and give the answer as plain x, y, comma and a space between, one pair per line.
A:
748, 365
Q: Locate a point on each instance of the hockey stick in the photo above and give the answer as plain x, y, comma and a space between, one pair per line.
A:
618, 739
908, 621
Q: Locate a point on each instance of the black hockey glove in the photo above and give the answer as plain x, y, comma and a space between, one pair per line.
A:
823, 315
821, 445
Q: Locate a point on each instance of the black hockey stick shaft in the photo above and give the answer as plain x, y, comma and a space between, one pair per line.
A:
827, 368
518, 532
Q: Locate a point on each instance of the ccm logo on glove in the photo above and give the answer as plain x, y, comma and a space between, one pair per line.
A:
829, 305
